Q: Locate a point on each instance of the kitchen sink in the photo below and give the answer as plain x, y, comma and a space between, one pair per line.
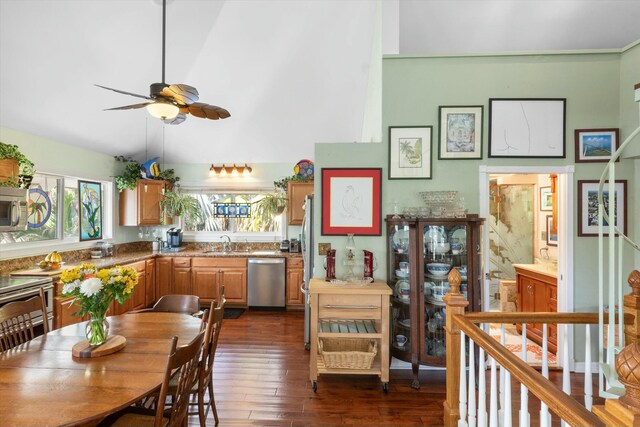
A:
265, 252
225, 252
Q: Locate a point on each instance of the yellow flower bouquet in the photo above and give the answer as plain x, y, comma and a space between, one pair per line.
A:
94, 290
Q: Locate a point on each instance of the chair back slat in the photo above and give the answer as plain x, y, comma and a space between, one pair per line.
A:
17, 324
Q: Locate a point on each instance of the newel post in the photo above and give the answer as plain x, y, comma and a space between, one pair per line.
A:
632, 306
456, 303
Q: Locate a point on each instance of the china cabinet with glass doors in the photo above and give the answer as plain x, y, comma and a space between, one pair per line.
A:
421, 253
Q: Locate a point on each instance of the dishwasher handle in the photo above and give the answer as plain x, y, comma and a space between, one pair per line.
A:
266, 260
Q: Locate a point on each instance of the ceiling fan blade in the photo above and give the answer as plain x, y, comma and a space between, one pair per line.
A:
183, 94
123, 92
129, 107
206, 111
181, 117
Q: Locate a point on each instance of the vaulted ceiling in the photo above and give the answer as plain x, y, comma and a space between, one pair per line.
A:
291, 73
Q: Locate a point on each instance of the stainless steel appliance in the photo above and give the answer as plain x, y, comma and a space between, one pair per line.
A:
174, 237
306, 244
13, 209
23, 288
284, 246
266, 283
294, 246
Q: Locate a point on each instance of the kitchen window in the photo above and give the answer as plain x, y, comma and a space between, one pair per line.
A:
53, 213
232, 212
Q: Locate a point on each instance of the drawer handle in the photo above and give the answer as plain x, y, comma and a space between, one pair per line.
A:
362, 307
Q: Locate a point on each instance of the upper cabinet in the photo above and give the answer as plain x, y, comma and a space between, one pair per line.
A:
296, 192
142, 205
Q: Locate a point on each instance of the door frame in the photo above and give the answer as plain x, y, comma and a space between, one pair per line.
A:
565, 238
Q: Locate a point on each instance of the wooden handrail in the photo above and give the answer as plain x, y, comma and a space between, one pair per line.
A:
542, 317
560, 403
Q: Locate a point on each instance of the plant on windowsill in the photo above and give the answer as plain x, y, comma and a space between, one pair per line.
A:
10, 158
184, 205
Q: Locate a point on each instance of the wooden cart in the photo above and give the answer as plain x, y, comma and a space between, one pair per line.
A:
350, 311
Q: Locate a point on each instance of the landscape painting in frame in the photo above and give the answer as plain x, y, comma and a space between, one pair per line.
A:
588, 207
90, 198
530, 127
460, 132
410, 152
596, 145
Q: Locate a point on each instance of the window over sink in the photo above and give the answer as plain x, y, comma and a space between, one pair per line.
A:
53, 213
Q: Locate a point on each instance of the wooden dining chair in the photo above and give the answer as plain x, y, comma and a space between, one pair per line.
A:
188, 304
16, 322
182, 367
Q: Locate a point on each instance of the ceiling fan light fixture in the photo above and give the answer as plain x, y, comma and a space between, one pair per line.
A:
163, 110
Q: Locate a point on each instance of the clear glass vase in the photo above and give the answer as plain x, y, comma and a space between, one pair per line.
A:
97, 330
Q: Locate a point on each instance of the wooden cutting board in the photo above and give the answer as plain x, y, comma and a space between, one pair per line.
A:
37, 272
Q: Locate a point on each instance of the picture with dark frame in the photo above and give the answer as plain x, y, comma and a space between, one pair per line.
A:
588, 207
460, 132
552, 238
596, 145
546, 199
90, 212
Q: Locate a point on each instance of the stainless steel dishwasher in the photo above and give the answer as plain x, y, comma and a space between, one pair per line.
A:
266, 283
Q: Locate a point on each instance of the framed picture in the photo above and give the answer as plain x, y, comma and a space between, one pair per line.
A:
552, 238
546, 199
527, 127
351, 201
90, 200
410, 152
588, 206
596, 145
460, 132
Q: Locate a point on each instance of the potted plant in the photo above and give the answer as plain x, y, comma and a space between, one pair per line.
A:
15, 169
133, 172
184, 205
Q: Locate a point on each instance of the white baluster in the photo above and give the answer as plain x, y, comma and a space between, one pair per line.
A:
545, 417
566, 378
507, 421
588, 378
482, 390
525, 418
493, 396
502, 371
462, 421
471, 420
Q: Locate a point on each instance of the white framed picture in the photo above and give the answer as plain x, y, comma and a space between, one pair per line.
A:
410, 152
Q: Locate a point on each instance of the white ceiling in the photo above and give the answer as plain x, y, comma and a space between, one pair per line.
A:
291, 73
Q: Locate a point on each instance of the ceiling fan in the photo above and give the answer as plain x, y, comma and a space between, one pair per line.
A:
172, 103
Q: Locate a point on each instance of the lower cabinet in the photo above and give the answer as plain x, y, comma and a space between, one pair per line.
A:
63, 312
150, 280
295, 276
164, 271
209, 274
181, 276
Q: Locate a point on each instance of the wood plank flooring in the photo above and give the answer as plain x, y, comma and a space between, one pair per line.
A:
261, 377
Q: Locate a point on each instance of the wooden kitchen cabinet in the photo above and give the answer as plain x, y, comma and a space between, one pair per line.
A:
63, 312
208, 274
295, 276
137, 300
164, 270
296, 191
150, 280
181, 276
141, 206
537, 292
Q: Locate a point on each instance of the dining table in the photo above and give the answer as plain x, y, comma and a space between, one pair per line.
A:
43, 384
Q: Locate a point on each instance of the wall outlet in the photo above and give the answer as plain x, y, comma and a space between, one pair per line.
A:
323, 248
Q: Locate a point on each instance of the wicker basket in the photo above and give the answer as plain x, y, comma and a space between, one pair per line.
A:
347, 353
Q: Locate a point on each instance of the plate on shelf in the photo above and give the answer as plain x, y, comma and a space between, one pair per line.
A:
434, 301
400, 240
435, 233
401, 273
405, 322
459, 232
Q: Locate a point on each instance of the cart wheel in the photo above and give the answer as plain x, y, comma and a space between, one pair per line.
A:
415, 384
385, 387
314, 386
307, 346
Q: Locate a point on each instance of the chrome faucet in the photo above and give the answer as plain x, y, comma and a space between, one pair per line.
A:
226, 246
546, 252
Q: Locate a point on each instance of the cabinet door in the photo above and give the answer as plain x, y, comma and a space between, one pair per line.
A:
164, 268
295, 277
63, 312
205, 283
296, 192
150, 282
235, 285
182, 280
149, 195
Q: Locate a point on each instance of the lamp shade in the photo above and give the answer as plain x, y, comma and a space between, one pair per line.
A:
162, 110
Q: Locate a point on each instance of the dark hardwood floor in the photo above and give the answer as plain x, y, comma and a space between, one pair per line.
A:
261, 377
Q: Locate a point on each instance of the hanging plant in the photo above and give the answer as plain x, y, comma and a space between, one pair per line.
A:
186, 206
26, 168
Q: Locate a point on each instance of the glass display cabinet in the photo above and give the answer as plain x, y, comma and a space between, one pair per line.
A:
421, 253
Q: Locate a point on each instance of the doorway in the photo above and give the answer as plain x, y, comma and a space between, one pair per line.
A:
521, 184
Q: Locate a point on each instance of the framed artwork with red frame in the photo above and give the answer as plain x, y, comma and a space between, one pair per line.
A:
351, 201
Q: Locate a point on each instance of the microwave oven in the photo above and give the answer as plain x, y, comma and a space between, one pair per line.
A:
13, 209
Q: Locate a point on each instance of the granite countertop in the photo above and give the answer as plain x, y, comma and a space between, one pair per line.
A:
549, 269
131, 257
